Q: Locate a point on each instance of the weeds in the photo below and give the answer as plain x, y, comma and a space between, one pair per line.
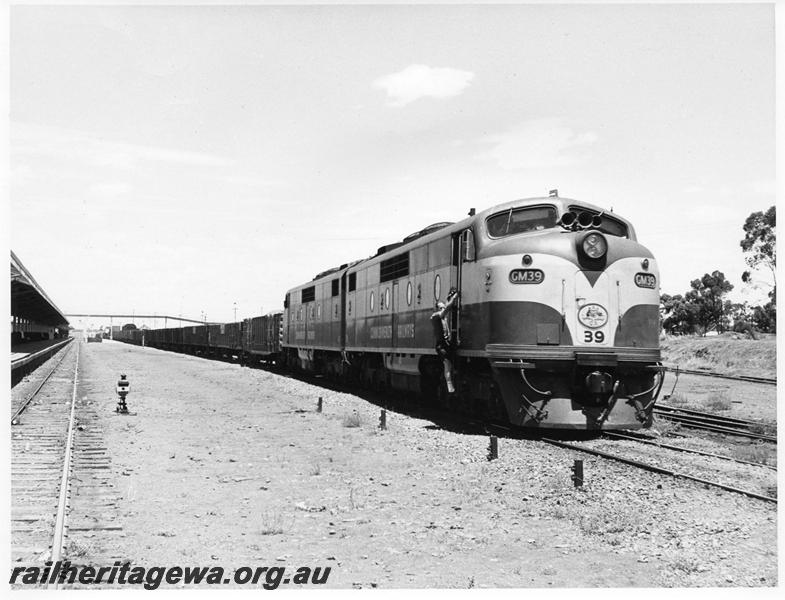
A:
757, 453
666, 426
352, 502
601, 521
764, 429
272, 523
316, 470
686, 564
352, 420
76, 549
677, 398
718, 401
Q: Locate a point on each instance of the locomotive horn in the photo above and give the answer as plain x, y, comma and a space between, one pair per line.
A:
585, 219
567, 219
596, 220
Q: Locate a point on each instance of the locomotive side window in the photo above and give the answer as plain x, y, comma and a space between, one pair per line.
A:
372, 301
409, 293
418, 260
439, 253
521, 220
437, 288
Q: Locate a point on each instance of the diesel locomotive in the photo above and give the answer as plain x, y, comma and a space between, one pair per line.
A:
557, 324
556, 327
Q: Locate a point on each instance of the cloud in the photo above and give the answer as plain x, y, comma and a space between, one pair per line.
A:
79, 146
536, 144
421, 81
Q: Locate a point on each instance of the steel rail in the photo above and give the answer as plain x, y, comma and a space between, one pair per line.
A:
621, 436
26, 403
751, 379
696, 423
712, 416
62, 505
656, 469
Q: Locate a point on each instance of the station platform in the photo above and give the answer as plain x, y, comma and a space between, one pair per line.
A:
20, 351
28, 356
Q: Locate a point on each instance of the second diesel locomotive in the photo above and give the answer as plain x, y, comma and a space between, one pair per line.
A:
557, 324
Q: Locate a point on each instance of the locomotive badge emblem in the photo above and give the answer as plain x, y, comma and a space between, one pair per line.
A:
593, 316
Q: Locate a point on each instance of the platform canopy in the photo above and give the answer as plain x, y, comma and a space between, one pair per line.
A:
29, 300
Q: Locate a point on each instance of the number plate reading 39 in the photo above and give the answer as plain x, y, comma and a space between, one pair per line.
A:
526, 276
645, 280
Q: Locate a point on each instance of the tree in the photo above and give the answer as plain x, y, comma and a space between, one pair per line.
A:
765, 317
760, 245
707, 296
679, 316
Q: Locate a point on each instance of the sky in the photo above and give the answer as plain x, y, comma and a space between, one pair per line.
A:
190, 160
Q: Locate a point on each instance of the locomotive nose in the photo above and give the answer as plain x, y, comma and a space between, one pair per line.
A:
598, 382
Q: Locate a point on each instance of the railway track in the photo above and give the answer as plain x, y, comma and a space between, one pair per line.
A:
663, 470
649, 442
61, 493
765, 380
711, 422
21, 406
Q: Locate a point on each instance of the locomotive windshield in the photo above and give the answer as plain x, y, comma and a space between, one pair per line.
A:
520, 220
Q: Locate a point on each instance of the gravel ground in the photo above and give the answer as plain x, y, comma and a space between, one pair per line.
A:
230, 466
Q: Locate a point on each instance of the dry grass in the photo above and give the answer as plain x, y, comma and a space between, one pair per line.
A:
723, 353
764, 429
677, 399
272, 523
78, 549
686, 564
757, 453
718, 401
599, 520
665, 426
352, 420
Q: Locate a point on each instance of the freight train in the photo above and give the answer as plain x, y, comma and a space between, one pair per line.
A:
556, 327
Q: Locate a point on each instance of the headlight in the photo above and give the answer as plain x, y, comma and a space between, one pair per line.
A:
594, 245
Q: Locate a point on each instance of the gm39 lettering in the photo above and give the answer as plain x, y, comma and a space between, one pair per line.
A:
526, 276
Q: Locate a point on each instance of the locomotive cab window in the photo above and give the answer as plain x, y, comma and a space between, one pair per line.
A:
521, 220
